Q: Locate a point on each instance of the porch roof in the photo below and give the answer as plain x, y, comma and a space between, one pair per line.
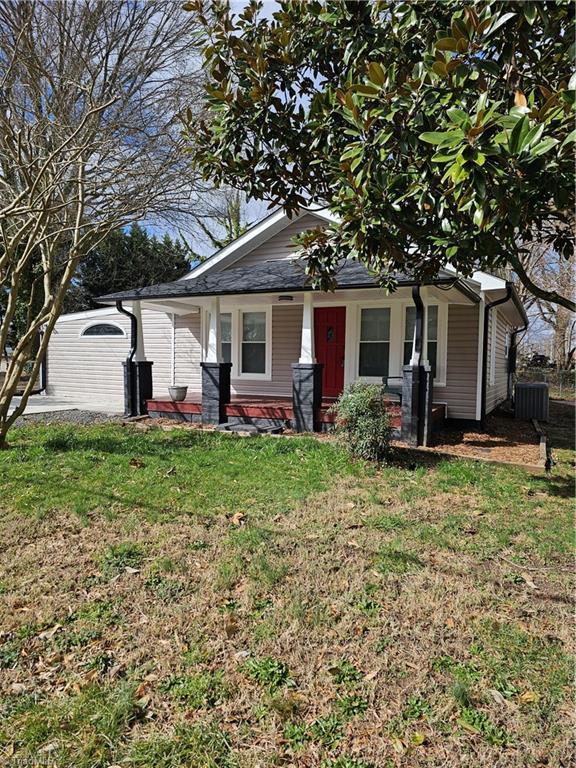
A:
275, 277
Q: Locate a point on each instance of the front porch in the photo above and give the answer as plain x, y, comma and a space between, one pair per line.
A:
270, 351
265, 411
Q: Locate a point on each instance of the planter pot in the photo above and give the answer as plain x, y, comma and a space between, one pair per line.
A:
177, 393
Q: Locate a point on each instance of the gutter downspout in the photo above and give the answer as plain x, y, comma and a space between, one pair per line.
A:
43, 366
417, 361
133, 330
130, 397
419, 326
487, 309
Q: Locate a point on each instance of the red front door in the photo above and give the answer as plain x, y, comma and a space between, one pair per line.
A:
329, 342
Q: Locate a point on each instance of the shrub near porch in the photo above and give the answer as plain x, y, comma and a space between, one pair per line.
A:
317, 613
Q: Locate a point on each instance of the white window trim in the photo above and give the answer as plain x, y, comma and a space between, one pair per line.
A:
236, 313
102, 321
237, 345
441, 340
371, 379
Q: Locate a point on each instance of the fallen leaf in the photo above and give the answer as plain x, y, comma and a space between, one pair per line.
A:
138, 463
231, 627
418, 739
529, 697
528, 581
237, 518
48, 633
50, 747
497, 696
129, 569
140, 693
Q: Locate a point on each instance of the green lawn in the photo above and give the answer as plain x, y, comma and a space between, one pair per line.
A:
188, 599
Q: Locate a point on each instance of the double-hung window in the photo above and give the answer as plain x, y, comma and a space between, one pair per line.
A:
374, 358
430, 350
226, 337
253, 343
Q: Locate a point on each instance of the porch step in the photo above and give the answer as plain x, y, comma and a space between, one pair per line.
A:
250, 429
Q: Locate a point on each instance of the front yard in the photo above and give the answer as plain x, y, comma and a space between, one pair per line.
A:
188, 599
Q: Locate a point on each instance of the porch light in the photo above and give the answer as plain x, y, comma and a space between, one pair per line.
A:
285, 297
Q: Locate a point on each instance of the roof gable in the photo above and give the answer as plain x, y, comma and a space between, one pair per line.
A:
255, 238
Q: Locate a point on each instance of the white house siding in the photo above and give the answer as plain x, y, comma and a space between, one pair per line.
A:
188, 353
157, 331
286, 337
461, 364
497, 392
279, 246
88, 369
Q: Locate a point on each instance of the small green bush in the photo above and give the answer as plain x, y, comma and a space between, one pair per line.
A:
363, 422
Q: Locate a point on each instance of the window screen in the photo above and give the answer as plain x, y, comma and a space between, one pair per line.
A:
253, 342
374, 342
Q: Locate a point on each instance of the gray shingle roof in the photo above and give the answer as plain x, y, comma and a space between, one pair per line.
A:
269, 277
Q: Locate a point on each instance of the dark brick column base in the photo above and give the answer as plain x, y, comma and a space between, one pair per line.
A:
137, 386
215, 391
416, 424
306, 394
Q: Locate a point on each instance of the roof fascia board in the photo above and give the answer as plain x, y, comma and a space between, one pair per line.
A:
489, 282
87, 314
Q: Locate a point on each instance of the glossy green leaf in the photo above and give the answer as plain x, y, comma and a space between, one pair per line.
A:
543, 147
504, 19
447, 138
446, 44
517, 135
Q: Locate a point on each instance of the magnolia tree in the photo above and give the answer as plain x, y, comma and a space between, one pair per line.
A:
91, 95
437, 132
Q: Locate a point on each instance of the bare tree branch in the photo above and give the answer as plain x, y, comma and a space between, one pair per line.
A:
91, 95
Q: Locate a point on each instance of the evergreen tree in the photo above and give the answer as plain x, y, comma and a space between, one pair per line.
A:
126, 259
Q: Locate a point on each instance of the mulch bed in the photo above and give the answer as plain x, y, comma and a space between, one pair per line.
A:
504, 439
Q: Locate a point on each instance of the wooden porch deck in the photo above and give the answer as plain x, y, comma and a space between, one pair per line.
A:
247, 407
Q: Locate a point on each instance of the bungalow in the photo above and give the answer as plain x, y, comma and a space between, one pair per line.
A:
254, 343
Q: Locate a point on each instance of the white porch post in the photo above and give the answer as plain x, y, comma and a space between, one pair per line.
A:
140, 355
307, 353
213, 353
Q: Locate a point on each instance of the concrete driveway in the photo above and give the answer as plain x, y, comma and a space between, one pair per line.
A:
49, 404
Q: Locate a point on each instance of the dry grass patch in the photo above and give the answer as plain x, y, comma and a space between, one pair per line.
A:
400, 618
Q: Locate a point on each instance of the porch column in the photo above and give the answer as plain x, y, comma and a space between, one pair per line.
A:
306, 374
215, 373
416, 420
307, 341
